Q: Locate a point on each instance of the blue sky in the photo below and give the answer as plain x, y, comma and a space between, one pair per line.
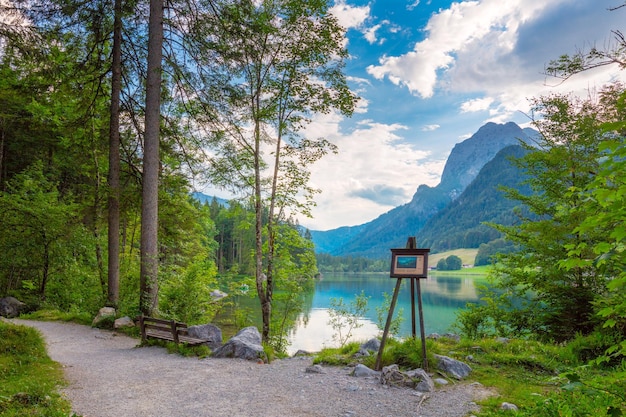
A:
430, 73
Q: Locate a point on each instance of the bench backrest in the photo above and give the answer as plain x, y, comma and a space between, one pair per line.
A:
162, 325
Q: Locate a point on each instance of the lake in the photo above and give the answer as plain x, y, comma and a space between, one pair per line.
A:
442, 297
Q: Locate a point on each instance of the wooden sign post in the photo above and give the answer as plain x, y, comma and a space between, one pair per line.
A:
409, 263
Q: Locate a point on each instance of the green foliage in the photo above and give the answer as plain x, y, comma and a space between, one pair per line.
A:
488, 252
603, 214
187, 297
344, 318
29, 380
341, 356
451, 263
550, 288
407, 354
57, 315
339, 264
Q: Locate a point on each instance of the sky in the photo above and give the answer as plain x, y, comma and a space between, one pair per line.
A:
429, 74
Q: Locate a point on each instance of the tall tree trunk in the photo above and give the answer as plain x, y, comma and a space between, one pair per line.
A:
114, 162
261, 279
149, 207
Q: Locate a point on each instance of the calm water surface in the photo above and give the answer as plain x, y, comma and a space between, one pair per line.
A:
442, 296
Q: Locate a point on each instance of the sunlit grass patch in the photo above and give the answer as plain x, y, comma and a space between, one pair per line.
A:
29, 379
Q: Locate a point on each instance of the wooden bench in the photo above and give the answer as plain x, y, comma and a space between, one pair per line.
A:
169, 330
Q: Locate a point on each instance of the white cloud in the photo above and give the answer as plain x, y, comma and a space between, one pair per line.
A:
373, 172
370, 33
478, 104
490, 23
350, 17
430, 128
413, 5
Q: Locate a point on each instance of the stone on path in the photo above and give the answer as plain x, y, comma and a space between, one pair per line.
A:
244, 345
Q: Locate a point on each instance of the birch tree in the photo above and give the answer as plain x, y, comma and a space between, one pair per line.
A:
269, 67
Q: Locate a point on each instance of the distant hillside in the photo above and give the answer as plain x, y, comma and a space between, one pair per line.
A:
203, 198
390, 230
460, 224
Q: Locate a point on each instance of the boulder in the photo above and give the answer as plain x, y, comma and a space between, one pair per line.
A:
105, 313
452, 367
11, 307
123, 322
508, 407
244, 345
209, 332
423, 381
362, 371
417, 379
372, 345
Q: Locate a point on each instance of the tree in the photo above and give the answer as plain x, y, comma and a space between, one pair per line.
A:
442, 265
271, 66
603, 213
36, 221
454, 263
150, 178
564, 158
113, 287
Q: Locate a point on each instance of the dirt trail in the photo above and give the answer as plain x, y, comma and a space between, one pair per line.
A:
110, 377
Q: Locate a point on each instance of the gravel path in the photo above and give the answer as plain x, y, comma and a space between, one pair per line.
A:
110, 376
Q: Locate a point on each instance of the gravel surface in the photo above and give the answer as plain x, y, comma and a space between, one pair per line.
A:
109, 376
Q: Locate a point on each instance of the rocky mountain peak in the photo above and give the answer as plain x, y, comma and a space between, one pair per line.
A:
468, 157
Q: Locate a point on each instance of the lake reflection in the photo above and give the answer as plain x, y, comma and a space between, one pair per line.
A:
442, 296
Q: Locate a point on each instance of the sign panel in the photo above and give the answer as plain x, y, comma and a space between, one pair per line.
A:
409, 263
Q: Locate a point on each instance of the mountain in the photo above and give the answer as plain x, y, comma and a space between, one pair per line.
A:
203, 198
461, 223
391, 229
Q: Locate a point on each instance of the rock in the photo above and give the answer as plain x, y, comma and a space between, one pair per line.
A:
452, 336
244, 345
218, 295
105, 313
209, 332
372, 345
315, 369
456, 369
123, 322
440, 381
508, 407
417, 379
301, 352
362, 371
503, 340
423, 382
11, 307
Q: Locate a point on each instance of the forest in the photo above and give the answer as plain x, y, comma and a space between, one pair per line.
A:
112, 113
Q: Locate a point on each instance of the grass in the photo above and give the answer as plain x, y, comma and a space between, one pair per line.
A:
29, 379
467, 256
56, 315
541, 379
